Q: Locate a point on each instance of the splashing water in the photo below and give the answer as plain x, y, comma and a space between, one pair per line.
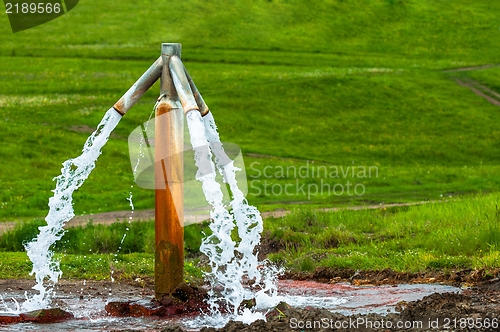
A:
73, 174
219, 247
231, 264
248, 221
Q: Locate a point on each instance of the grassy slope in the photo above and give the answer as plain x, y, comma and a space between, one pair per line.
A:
341, 82
460, 30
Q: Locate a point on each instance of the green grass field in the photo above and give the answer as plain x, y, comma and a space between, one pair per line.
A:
337, 84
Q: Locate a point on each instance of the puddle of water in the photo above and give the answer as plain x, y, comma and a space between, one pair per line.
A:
347, 299
342, 298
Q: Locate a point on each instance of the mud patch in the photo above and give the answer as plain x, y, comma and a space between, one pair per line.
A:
475, 310
185, 300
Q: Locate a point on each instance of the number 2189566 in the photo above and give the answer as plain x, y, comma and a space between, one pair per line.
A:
32, 8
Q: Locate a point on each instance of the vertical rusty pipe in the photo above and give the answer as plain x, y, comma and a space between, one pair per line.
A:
169, 208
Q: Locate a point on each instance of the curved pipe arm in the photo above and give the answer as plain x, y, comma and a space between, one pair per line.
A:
139, 88
182, 85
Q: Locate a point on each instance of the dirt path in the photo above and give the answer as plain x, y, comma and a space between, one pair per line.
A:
491, 65
107, 218
480, 90
476, 87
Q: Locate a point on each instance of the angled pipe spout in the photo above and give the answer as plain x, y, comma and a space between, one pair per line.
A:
139, 88
197, 96
182, 85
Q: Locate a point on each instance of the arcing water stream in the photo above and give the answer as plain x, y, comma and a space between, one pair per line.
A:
73, 174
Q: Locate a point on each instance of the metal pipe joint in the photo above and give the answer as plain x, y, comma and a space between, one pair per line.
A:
178, 85
139, 88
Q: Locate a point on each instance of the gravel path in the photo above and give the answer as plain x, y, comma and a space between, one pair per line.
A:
107, 218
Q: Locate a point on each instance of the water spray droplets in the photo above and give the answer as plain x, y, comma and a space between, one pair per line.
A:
234, 264
131, 203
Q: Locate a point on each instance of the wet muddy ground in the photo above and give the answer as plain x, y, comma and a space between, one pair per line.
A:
475, 308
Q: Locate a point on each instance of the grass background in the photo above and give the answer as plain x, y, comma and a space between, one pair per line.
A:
338, 83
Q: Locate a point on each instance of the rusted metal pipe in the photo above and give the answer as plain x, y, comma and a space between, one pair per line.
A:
169, 198
197, 95
182, 85
139, 88
177, 67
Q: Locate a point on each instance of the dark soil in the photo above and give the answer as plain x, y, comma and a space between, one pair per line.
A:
185, 300
475, 309
456, 278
